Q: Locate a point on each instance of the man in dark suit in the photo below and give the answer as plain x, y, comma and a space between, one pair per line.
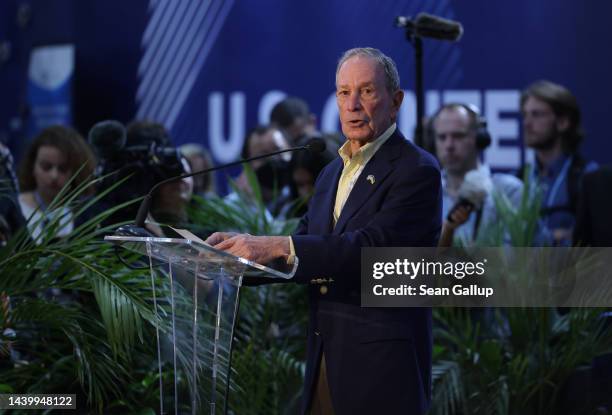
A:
382, 191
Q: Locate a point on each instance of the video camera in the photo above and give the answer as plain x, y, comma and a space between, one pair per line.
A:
142, 154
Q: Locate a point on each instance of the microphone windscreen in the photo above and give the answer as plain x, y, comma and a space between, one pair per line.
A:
316, 145
436, 27
107, 137
475, 187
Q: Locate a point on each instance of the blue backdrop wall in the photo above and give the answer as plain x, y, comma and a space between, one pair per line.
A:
210, 70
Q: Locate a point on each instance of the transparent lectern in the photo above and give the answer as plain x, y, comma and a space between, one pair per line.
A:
195, 299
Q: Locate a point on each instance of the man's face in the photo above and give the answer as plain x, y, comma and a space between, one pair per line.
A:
541, 126
268, 142
176, 193
300, 127
365, 105
198, 163
455, 140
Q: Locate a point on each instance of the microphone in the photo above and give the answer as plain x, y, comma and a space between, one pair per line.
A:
430, 26
472, 192
314, 145
107, 137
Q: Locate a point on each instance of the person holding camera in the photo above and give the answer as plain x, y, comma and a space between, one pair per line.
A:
134, 159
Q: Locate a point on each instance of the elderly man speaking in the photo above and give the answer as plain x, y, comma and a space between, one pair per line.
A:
382, 191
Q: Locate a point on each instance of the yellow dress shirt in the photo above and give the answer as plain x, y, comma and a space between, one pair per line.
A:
353, 166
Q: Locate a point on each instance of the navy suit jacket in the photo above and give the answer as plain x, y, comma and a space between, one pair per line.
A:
378, 360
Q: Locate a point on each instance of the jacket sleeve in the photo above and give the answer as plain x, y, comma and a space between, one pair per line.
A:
409, 215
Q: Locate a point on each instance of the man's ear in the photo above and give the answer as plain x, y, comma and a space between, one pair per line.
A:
396, 99
563, 124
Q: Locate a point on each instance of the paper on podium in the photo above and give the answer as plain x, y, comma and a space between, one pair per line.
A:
254, 269
191, 249
189, 236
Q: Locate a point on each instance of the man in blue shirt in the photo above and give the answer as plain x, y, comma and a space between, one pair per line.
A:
460, 137
551, 127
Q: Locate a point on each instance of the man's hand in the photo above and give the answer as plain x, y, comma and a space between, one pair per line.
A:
458, 217
260, 249
219, 237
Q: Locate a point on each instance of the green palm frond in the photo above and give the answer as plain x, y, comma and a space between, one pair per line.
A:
85, 324
243, 212
448, 390
78, 315
518, 223
82, 342
271, 380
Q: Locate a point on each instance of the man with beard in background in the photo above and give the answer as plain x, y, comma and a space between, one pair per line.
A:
551, 127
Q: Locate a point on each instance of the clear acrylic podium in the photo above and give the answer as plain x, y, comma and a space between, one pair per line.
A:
195, 297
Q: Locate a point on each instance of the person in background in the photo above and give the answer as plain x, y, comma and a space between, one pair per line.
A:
145, 132
551, 127
460, 137
132, 159
199, 159
593, 219
170, 201
10, 210
56, 155
304, 169
292, 115
272, 172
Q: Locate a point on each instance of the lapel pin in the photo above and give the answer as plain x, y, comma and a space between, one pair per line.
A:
371, 178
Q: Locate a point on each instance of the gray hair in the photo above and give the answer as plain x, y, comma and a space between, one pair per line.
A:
392, 81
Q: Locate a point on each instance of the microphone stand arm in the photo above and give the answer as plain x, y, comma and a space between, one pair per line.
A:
417, 44
143, 210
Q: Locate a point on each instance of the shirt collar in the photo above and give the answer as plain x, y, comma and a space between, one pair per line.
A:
367, 151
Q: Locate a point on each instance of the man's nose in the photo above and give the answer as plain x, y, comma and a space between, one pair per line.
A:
354, 102
449, 145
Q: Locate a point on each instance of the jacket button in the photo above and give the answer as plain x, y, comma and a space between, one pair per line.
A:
323, 289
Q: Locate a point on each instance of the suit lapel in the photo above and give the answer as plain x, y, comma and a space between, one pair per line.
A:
377, 169
323, 224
